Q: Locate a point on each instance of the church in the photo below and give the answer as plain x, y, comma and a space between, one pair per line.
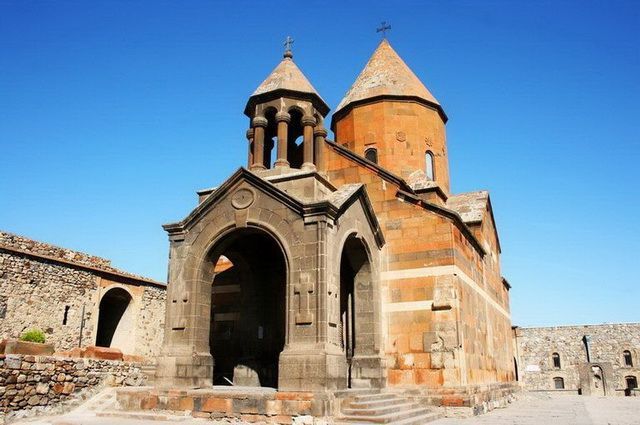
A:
329, 266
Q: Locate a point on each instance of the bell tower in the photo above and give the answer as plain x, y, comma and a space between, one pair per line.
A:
286, 121
389, 117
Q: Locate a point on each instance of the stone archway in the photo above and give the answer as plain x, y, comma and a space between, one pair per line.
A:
115, 320
358, 322
248, 308
597, 381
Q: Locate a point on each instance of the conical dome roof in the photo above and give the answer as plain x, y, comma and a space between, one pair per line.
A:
386, 74
287, 78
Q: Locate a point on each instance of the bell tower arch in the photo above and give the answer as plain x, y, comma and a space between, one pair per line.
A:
286, 121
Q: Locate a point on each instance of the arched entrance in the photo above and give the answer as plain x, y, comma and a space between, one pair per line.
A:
356, 303
631, 383
597, 381
248, 308
115, 321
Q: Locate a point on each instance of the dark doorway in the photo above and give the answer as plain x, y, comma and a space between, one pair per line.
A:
248, 307
355, 271
113, 306
631, 384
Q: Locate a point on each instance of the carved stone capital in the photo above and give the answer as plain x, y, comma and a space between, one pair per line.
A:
259, 122
320, 131
283, 116
250, 134
308, 120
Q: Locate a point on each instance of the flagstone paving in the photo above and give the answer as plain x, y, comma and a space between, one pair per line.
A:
542, 409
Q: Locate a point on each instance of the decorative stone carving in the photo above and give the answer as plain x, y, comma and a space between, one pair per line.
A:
179, 312
303, 291
333, 316
243, 198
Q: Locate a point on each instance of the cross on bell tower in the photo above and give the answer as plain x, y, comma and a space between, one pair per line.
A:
287, 47
383, 28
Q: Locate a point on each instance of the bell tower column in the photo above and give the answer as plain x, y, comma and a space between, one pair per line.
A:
319, 134
250, 140
259, 125
308, 122
283, 119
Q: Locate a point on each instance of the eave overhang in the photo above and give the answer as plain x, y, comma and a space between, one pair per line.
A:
339, 114
314, 98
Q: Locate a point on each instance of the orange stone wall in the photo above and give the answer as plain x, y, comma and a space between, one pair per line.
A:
402, 132
423, 242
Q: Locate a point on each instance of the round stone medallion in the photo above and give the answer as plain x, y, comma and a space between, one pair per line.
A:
243, 198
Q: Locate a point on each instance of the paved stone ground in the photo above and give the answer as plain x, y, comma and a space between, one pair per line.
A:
530, 409
542, 409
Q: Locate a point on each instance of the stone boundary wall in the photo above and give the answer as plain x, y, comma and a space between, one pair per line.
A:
41, 294
40, 248
59, 291
37, 383
535, 346
21, 244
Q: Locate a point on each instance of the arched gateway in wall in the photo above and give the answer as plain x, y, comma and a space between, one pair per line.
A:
253, 299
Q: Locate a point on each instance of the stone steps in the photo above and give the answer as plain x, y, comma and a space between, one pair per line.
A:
399, 405
146, 416
381, 402
105, 399
384, 408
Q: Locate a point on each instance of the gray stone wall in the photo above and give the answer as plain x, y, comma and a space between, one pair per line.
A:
151, 321
37, 383
535, 347
47, 287
37, 294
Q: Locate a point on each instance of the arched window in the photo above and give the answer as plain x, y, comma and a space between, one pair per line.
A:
558, 383
556, 360
372, 155
429, 169
628, 361
631, 382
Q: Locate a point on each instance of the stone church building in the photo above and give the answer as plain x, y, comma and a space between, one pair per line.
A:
326, 265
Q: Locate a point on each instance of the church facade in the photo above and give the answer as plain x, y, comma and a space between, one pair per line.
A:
327, 265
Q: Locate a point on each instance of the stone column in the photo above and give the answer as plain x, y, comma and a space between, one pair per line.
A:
308, 122
250, 139
283, 119
259, 125
320, 134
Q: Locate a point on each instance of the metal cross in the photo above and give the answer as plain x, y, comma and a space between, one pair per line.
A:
384, 27
287, 43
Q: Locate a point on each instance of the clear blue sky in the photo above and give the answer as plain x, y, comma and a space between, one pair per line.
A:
112, 115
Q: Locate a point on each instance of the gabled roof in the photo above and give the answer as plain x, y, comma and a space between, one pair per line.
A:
287, 79
405, 191
334, 206
471, 207
387, 75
